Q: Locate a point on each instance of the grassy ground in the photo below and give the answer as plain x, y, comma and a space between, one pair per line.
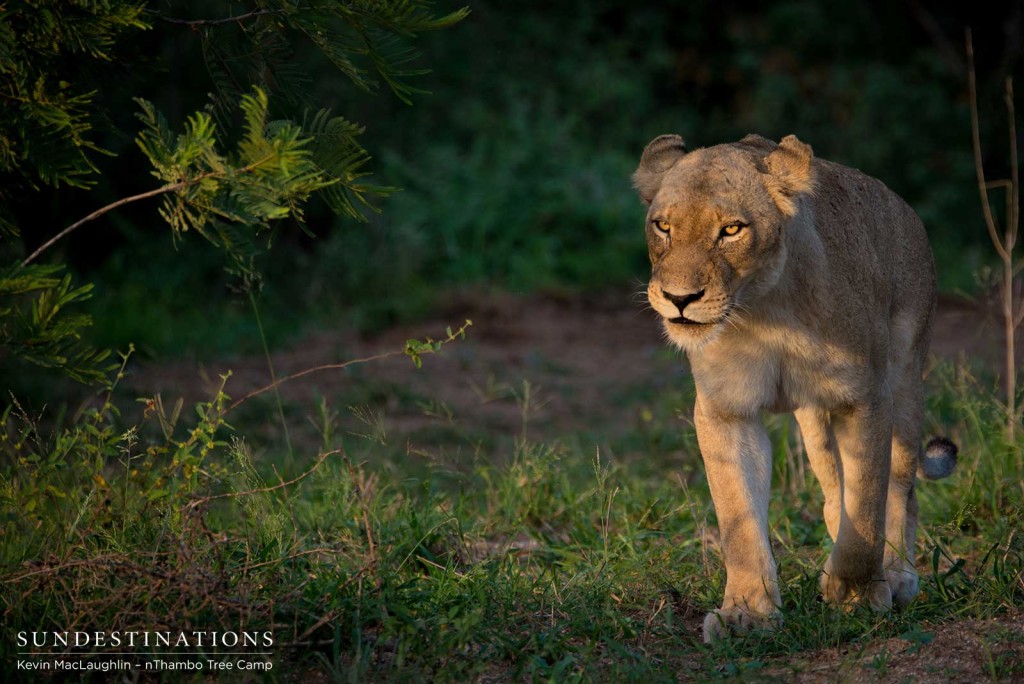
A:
481, 546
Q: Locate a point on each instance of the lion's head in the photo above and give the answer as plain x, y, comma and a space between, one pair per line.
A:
716, 223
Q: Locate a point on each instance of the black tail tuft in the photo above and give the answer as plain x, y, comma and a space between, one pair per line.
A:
939, 459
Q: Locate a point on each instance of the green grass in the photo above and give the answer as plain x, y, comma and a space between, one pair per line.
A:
483, 558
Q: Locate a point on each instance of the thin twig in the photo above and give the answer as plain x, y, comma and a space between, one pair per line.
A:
193, 23
308, 371
162, 190
345, 364
108, 559
260, 490
1013, 215
943, 45
331, 615
100, 212
976, 139
1004, 246
1009, 308
291, 556
270, 367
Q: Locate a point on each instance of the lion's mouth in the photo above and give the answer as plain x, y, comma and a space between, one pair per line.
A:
683, 320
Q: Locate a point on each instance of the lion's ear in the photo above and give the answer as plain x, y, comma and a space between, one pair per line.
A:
790, 173
659, 156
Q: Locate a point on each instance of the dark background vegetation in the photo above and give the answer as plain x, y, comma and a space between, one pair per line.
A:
514, 171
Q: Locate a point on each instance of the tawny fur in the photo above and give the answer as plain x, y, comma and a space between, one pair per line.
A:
820, 303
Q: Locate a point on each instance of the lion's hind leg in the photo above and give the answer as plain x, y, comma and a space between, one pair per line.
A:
855, 571
901, 520
901, 501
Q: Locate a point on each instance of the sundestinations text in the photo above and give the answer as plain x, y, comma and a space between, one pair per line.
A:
135, 639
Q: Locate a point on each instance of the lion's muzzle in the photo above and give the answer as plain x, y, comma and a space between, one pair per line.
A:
681, 302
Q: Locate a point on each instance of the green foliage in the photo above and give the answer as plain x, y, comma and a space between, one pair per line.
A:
232, 199
46, 121
35, 327
341, 160
234, 180
367, 42
417, 349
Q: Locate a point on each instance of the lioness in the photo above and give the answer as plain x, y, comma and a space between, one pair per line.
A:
795, 284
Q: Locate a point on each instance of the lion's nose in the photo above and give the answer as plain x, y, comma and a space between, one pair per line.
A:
681, 301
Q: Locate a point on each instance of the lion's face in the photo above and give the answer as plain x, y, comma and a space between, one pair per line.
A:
715, 227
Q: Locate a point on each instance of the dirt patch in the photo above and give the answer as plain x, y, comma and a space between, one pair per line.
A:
551, 363
555, 364
965, 651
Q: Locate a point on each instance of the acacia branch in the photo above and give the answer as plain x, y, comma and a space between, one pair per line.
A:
100, 212
162, 190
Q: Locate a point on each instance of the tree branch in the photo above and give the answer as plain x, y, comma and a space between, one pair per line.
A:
976, 139
100, 212
162, 190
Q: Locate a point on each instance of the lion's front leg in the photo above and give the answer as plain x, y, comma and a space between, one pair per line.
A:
737, 457
854, 571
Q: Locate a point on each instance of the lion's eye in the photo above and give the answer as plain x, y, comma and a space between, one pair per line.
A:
732, 229
661, 226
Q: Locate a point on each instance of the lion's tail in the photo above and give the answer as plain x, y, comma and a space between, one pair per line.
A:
939, 459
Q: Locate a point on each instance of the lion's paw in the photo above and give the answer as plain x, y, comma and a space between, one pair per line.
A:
723, 622
903, 583
875, 594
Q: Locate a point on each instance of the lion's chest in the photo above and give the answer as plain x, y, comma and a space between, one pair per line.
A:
778, 369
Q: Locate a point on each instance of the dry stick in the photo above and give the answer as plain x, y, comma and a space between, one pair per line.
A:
345, 364
1005, 250
976, 139
1010, 317
1014, 214
292, 556
260, 490
333, 613
111, 558
308, 371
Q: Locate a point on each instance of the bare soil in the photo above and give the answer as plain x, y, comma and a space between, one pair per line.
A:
579, 356
576, 354
964, 651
